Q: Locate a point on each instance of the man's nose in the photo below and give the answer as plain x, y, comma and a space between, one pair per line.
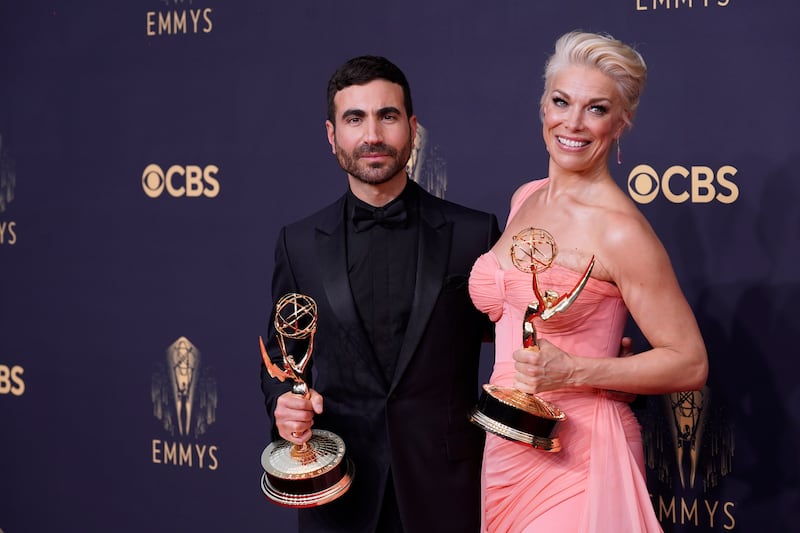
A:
373, 133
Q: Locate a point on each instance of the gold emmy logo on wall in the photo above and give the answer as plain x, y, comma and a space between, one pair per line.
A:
175, 19
690, 450
679, 184
189, 181
184, 396
8, 181
426, 166
667, 5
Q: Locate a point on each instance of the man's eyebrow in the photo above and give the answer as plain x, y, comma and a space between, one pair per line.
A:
360, 113
353, 113
390, 109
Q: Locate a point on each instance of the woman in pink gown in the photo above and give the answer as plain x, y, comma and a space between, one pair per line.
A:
596, 483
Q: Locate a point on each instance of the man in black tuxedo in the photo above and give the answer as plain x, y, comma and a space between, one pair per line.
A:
398, 340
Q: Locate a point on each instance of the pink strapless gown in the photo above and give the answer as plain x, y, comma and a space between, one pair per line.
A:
596, 483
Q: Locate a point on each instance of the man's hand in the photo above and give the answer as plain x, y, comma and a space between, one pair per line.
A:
294, 415
625, 350
626, 347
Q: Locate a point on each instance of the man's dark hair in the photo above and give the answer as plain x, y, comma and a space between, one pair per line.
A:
362, 70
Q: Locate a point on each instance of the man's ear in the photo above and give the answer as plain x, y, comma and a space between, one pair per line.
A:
412, 122
331, 130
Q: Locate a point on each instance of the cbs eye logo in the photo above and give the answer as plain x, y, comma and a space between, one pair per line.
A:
191, 181
697, 184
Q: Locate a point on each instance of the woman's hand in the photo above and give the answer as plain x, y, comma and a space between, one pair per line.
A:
547, 367
542, 368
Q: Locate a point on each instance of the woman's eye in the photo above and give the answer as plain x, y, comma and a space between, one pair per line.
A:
598, 109
559, 102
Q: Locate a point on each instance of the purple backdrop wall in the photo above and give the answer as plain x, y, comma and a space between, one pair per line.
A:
104, 269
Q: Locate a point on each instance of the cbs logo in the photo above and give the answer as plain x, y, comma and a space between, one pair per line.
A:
191, 181
11, 380
697, 184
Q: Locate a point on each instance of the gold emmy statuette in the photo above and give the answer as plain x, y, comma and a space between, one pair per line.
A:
317, 471
508, 412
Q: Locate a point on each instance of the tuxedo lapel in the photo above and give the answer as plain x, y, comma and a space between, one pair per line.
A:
330, 240
432, 259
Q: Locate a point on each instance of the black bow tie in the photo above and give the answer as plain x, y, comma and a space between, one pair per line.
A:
393, 215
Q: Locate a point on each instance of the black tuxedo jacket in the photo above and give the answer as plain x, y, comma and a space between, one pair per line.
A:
416, 425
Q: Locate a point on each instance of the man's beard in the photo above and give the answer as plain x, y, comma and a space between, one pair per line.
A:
374, 174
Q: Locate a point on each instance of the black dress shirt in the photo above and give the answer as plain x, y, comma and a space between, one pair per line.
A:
381, 263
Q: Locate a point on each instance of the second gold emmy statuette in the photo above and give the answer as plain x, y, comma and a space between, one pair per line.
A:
317, 471
506, 411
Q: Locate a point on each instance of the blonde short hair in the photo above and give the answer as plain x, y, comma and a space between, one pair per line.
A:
613, 58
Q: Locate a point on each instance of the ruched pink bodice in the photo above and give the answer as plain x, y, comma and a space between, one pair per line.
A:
592, 326
596, 483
